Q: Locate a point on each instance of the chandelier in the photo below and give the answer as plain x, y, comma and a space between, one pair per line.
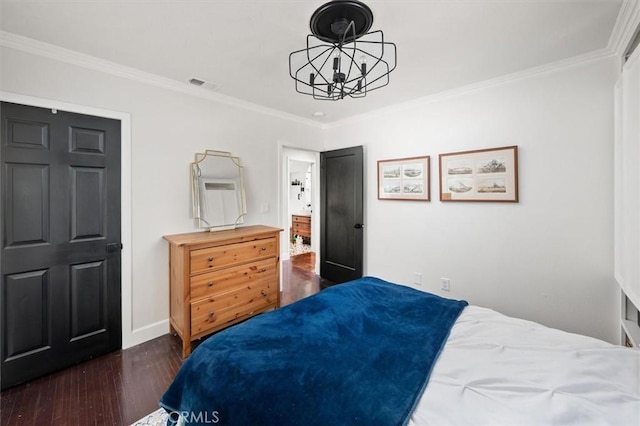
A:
342, 58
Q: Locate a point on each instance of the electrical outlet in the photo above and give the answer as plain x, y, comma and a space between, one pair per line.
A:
446, 284
417, 278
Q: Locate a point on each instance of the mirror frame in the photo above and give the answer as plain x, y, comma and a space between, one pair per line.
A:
195, 190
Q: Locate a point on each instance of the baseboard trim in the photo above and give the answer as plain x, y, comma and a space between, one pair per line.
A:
146, 333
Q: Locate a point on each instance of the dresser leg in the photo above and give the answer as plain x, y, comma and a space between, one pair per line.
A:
186, 348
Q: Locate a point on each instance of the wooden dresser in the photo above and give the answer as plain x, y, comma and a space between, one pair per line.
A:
218, 279
301, 225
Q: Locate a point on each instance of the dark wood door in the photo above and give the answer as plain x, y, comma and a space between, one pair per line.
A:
60, 254
341, 214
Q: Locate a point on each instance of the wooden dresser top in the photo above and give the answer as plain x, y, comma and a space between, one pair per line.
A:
204, 237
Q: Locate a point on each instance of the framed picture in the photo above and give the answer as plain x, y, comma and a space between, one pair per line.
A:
480, 175
404, 179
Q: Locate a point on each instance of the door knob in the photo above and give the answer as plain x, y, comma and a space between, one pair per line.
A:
114, 247
358, 226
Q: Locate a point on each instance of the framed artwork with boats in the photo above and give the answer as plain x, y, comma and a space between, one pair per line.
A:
480, 175
404, 179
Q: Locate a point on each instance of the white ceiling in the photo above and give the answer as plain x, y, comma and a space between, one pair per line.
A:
242, 46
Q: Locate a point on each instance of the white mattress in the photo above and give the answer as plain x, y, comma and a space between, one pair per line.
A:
497, 370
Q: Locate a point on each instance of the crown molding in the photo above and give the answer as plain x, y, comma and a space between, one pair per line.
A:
625, 27
47, 50
627, 22
542, 70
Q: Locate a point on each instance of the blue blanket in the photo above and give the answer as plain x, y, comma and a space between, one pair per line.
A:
356, 353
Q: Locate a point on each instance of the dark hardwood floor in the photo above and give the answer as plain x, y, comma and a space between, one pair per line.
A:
124, 386
298, 278
115, 389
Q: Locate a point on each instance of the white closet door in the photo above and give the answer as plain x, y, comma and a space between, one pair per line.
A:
627, 180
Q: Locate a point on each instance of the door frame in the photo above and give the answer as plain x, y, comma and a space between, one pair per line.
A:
128, 338
286, 153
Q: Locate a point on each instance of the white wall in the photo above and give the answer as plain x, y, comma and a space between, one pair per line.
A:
167, 128
547, 258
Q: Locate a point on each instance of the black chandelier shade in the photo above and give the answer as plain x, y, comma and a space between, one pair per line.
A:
342, 59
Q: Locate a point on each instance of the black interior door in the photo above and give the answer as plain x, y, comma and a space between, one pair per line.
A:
341, 214
60, 257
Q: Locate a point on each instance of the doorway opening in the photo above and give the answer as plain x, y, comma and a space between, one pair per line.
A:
299, 206
336, 214
300, 209
299, 217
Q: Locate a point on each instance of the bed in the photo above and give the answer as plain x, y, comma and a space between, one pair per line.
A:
372, 352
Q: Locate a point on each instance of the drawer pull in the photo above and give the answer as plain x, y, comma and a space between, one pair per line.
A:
210, 259
263, 293
263, 249
212, 314
210, 284
263, 270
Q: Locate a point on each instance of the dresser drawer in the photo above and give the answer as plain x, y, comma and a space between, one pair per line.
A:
214, 312
301, 227
301, 219
211, 259
212, 283
205, 325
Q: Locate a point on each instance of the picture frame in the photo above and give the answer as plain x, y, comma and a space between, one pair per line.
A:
405, 179
480, 175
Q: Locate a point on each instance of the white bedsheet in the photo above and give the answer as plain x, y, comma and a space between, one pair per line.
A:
497, 370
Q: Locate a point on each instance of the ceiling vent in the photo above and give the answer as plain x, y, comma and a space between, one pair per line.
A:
204, 84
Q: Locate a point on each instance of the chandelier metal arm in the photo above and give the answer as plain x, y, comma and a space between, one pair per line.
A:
382, 43
320, 69
380, 61
311, 63
316, 69
352, 92
337, 68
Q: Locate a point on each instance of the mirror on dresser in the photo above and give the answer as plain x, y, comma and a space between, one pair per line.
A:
217, 190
